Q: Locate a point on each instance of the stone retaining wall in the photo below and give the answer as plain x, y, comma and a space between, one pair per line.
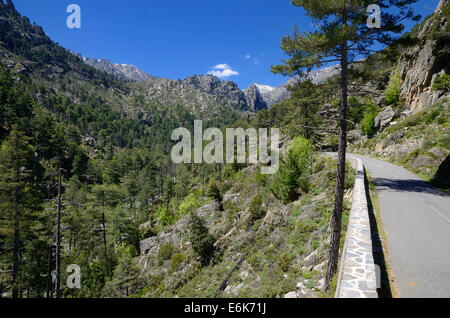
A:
357, 274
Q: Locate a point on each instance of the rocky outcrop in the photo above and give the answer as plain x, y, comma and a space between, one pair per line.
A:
228, 91
254, 98
418, 65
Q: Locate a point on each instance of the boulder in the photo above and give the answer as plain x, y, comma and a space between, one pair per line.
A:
422, 160
381, 101
355, 136
406, 148
394, 138
384, 118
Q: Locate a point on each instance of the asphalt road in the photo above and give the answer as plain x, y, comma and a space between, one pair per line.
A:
416, 219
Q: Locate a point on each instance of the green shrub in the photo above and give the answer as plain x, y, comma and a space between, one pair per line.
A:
393, 90
188, 205
256, 212
213, 191
294, 170
442, 82
175, 262
165, 216
284, 262
165, 252
202, 241
368, 122
355, 110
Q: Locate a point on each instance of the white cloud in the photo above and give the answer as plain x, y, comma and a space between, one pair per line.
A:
222, 70
222, 67
256, 61
248, 56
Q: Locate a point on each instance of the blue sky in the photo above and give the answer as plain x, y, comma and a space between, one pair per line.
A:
178, 38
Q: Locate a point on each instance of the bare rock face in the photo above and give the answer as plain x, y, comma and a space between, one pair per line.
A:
254, 98
418, 65
228, 91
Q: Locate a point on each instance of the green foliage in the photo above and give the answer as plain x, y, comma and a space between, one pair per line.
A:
165, 216
20, 204
306, 100
202, 241
393, 90
165, 252
442, 82
294, 171
355, 110
213, 191
368, 122
176, 261
256, 211
188, 205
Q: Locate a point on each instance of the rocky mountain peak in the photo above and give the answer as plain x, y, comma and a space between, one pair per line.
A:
254, 98
226, 90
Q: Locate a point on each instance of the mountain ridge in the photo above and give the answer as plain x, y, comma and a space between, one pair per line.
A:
254, 98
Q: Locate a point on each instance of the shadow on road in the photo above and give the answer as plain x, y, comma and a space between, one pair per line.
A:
406, 185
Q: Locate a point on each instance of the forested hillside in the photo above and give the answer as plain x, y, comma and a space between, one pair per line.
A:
106, 143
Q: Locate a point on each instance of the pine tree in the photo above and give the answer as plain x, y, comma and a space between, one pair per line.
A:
343, 35
202, 241
19, 198
307, 98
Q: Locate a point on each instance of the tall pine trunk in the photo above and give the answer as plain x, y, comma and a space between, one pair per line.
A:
58, 236
336, 218
16, 248
104, 230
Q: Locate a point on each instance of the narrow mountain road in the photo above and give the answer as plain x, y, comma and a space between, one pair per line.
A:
416, 218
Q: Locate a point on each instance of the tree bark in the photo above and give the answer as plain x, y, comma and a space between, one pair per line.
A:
58, 236
336, 218
15, 269
104, 229
49, 271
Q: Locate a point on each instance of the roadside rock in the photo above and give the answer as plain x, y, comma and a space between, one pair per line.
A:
437, 152
394, 138
292, 294
384, 118
421, 161
355, 136
406, 148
